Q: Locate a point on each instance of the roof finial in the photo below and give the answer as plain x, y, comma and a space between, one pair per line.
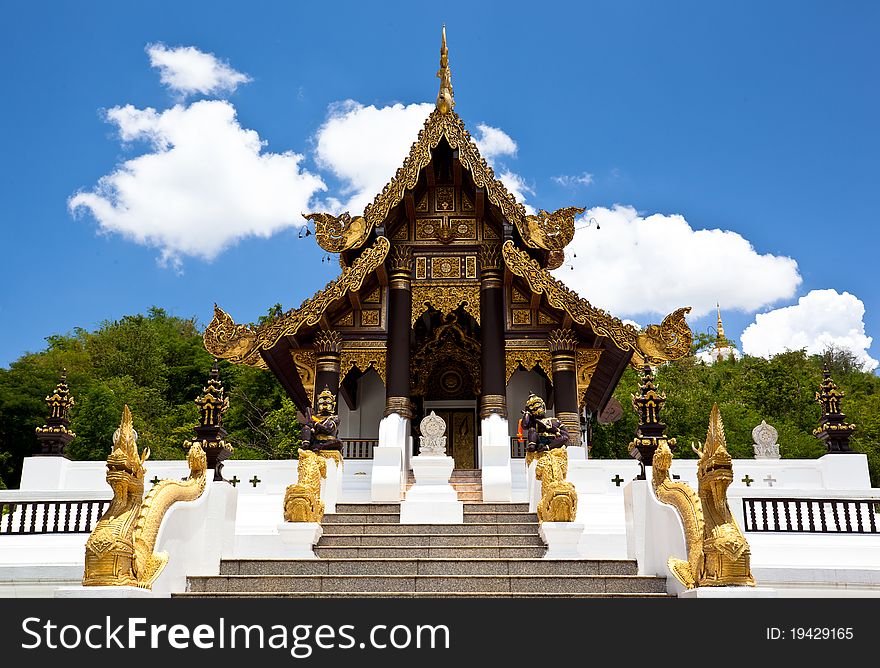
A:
720, 329
445, 101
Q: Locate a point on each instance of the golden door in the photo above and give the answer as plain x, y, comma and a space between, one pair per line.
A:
460, 436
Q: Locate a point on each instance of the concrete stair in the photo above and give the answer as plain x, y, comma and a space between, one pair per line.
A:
366, 552
467, 483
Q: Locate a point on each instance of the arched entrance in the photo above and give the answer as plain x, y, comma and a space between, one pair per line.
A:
445, 373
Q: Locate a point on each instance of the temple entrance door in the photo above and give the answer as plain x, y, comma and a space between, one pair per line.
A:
460, 436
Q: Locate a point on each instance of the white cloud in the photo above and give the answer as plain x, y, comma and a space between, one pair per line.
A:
205, 184
517, 186
364, 146
820, 318
494, 142
573, 181
655, 264
186, 70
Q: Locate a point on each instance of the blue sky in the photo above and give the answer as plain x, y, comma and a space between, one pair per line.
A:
667, 120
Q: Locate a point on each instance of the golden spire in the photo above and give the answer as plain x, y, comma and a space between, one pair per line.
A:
445, 101
720, 338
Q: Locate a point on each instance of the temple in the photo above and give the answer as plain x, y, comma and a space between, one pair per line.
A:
446, 302
442, 380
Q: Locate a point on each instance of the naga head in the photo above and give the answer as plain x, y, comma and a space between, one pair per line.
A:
662, 461
535, 405
326, 403
125, 468
715, 469
197, 460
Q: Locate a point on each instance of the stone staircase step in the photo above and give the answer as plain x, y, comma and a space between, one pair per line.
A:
488, 507
431, 540
472, 517
542, 584
362, 508
343, 528
428, 566
425, 552
385, 594
366, 518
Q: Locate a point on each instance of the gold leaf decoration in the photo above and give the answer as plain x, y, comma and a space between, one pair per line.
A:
242, 344
656, 344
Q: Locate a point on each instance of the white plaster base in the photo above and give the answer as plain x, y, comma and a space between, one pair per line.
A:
495, 460
432, 500
386, 480
300, 538
729, 592
331, 486
103, 592
562, 539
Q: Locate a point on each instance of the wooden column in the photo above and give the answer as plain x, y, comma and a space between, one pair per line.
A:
563, 347
399, 331
327, 360
493, 395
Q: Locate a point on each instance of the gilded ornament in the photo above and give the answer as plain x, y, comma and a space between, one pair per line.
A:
586, 361
363, 359
562, 340
449, 342
242, 344
528, 357
369, 318
446, 266
338, 233
490, 256
119, 551
400, 405
305, 361
302, 501
470, 266
421, 268
558, 496
670, 340
346, 320
445, 100
521, 316
552, 231
555, 259
446, 297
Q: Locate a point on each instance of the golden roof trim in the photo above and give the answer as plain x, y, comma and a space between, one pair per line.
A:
241, 344
654, 345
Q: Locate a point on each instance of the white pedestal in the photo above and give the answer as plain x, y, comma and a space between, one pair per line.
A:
729, 592
388, 459
331, 486
533, 487
576, 452
300, 538
103, 592
562, 539
432, 500
495, 460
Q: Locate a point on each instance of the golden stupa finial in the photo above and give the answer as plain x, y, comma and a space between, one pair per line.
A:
720, 324
445, 101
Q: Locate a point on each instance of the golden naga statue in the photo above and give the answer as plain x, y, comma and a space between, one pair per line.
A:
119, 551
718, 553
302, 501
558, 496
339, 233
